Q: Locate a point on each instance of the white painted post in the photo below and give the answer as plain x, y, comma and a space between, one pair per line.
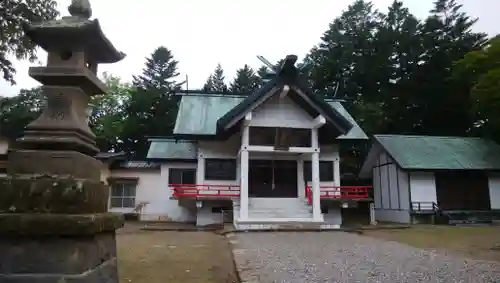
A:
315, 176
300, 178
336, 170
200, 170
336, 175
372, 214
244, 156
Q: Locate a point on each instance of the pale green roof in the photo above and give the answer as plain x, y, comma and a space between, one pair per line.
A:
441, 153
198, 115
170, 149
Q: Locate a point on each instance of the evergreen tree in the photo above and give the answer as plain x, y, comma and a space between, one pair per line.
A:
245, 82
263, 72
152, 107
215, 82
441, 105
13, 41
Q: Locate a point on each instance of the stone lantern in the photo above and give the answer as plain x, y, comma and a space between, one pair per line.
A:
54, 224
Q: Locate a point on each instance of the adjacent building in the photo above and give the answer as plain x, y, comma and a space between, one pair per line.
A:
415, 176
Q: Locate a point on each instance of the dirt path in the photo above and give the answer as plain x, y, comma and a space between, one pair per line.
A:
173, 257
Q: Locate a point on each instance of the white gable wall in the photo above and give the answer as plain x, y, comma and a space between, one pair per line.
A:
284, 113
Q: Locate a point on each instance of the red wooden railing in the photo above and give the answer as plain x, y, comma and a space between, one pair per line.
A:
192, 190
340, 192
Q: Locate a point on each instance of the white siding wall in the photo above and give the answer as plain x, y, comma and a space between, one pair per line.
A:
278, 112
422, 187
494, 184
218, 149
391, 191
163, 205
148, 188
404, 189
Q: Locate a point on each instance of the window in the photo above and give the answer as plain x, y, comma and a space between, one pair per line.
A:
325, 171
220, 169
182, 176
123, 193
285, 137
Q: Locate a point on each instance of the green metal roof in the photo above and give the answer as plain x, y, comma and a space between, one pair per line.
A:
198, 115
445, 153
170, 149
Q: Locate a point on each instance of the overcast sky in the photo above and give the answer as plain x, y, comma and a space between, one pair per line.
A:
203, 33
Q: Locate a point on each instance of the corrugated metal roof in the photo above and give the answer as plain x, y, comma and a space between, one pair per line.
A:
170, 149
198, 114
448, 153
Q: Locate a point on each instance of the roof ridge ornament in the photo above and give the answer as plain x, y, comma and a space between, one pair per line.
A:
80, 9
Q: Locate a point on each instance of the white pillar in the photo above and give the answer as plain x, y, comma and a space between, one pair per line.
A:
336, 171
315, 176
244, 173
200, 170
301, 185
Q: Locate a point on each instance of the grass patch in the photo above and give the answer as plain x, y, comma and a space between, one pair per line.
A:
173, 257
479, 242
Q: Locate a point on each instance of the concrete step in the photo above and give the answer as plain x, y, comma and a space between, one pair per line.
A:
275, 215
285, 226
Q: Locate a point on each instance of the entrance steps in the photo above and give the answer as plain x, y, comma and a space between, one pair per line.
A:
278, 208
277, 213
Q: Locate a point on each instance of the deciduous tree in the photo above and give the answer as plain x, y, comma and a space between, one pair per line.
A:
14, 44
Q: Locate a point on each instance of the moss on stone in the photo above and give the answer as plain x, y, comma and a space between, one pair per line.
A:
59, 224
52, 194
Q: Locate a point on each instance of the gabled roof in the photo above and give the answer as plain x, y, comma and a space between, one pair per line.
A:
210, 114
198, 115
172, 150
299, 93
436, 153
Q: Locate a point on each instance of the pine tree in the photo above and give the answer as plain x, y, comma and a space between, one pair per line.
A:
245, 82
152, 107
215, 82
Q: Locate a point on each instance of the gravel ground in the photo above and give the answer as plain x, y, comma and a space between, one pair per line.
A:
346, 257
